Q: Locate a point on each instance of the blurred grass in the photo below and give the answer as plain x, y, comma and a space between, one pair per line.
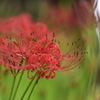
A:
78, 84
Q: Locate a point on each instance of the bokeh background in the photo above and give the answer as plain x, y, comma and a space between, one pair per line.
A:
75, 19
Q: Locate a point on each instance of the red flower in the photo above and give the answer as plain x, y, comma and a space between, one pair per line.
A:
22, 27
35, 51
45, 57
8, 56
16, 25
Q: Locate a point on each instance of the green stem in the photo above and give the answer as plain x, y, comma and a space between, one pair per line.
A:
36, 82
12, 89
19, 81
27, 88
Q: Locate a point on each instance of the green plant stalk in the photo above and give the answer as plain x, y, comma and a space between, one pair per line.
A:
12, 88
27, 88
19, 81
36, 82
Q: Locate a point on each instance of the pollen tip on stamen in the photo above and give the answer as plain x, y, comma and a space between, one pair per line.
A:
79, 39
72, 44
31, 33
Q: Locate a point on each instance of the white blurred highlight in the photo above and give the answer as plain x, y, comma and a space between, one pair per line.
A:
97, 15
97, 9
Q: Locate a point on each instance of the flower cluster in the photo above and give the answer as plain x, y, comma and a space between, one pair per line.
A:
69, 16
33, 48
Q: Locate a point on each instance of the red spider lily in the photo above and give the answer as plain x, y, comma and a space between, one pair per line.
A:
77, 15
45, 57
60, 17
22, 27
16, 25
8, 55
35, 50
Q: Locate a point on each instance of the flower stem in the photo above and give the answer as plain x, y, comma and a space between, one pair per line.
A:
36, 82
27, 87
19, 81
12, 89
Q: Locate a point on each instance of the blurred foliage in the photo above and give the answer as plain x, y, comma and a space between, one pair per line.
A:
78, 84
